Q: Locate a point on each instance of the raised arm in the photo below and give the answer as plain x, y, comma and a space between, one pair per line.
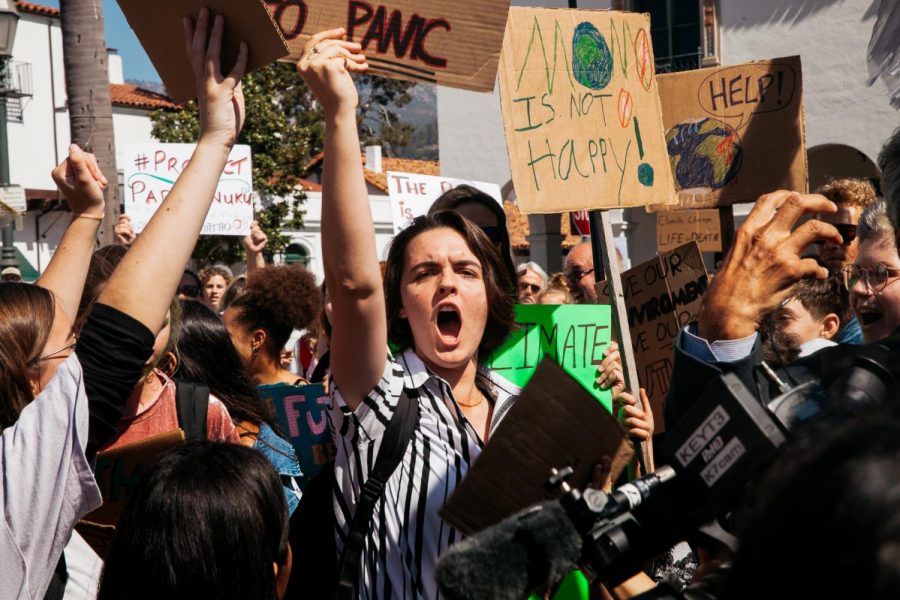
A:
81, 183
359, 338
145, 282
254, 244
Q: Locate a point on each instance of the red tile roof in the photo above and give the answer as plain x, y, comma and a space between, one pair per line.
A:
38, 9
309, 186
128, 94
402, 165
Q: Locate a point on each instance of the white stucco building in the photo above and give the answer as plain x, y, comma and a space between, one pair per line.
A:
38, 126
831, 37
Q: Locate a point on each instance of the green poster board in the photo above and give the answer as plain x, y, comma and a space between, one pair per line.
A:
573, 335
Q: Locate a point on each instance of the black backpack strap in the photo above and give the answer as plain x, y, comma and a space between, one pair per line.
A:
396, 438
192, 406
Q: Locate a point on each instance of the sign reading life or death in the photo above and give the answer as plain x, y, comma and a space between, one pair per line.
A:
662, 295
678, 227
412, 194
449, 42
151, 170
736, 132
581, 111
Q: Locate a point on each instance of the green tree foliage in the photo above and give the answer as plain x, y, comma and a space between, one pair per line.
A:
285, 129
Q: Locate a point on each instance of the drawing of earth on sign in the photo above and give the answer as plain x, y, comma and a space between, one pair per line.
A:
591, 58
704, 153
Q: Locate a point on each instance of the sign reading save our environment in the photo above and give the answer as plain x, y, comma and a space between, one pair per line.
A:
581, 111
412, 194
448, 42
572, 335
301, 412
151, 170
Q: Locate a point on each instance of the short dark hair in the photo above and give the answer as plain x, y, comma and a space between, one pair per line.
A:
824, 296
466, 194
207, 521
206, 355
495, 275
828, 509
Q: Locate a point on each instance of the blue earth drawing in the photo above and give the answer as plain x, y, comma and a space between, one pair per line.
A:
704, 153
592, 60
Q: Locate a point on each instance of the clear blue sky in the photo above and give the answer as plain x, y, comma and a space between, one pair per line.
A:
120, 36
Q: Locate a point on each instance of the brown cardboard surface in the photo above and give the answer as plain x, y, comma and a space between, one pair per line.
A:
748, 117
581, 111
678, 227
448, 42
158, 27
555, 423
662, 295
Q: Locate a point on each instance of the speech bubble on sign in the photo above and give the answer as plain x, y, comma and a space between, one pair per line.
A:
740, 91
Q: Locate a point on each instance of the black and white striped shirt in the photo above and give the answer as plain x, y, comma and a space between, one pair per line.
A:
407, 535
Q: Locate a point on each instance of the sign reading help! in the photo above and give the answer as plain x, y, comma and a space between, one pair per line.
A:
151, 171
448, 42
581, 111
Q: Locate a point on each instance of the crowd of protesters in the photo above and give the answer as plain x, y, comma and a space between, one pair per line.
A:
101, 352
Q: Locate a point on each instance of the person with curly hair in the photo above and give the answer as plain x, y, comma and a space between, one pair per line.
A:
852, 197
556, 292
276, 301
214, 281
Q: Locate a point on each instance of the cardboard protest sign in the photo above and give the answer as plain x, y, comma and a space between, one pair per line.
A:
301, 412
448, 42
662, 295
581, 111
151, 170
158, 27
555, 423
572, 335
736, 132
678, 227
117, 472
412, 194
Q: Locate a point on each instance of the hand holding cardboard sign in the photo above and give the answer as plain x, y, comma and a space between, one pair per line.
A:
325, 66
763, 264
638, 420
81, 182
220, 97
609, 373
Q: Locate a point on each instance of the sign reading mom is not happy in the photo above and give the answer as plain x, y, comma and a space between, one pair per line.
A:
449, 42
581, 111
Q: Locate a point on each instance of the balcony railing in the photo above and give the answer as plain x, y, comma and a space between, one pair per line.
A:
679, 62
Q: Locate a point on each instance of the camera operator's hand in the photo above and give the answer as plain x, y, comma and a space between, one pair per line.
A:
763, 263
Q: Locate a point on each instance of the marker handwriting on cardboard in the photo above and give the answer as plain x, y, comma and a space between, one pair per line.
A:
736, 94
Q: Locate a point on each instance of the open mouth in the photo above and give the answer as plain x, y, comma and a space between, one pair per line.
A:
449, 322
868, 317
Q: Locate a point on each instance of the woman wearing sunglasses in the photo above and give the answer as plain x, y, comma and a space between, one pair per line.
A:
872, 278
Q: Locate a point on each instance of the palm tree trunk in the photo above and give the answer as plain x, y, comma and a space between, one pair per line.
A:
87, 86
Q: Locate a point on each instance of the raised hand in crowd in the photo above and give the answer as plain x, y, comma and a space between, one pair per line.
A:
352, 273
124, 231
82, 183
254, 244
763, 264
154, 264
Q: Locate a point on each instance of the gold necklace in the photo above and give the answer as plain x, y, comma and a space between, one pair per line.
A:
474, 404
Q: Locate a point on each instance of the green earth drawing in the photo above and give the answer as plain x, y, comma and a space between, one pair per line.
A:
704, 153
592, 60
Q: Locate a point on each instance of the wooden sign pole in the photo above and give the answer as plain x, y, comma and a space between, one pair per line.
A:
604, 250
